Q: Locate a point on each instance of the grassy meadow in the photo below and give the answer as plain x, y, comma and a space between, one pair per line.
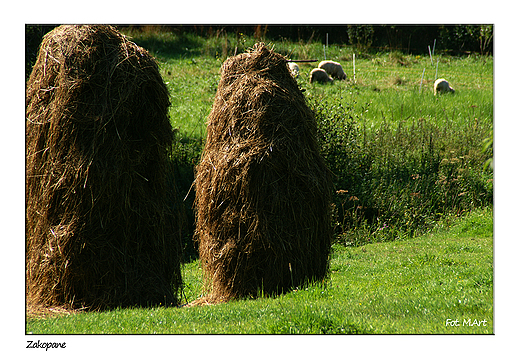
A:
413, 204
402, 287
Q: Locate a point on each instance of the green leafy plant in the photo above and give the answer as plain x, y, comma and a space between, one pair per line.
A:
395, 180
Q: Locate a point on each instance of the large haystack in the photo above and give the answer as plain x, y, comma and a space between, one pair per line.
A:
262, 188
99, 229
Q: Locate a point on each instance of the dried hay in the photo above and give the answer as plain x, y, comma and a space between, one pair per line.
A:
263, 190
99, 232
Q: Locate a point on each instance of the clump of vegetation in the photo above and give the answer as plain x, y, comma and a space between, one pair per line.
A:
395, 180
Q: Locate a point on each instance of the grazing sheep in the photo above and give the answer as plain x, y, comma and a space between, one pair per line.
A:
442, 86
320, 75
294, 68
334, 69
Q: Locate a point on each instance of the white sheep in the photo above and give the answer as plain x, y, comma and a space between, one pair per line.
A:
334, 69
442, 86
320, 75
294, 68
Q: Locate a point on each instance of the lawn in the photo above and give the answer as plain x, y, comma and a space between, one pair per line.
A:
389, 81
428, 284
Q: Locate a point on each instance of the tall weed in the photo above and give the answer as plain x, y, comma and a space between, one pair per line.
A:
395, 180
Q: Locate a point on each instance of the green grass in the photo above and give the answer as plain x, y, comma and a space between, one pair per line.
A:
410, 286
389, 81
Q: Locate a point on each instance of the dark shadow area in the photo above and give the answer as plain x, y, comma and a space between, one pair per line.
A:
33, 38
185, 157
189, 40
165, 47
410, 39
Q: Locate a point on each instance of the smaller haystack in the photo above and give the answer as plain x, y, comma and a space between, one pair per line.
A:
99, 229
263, 190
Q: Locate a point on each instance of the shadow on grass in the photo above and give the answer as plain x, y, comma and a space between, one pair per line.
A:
167, 45
185, 157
